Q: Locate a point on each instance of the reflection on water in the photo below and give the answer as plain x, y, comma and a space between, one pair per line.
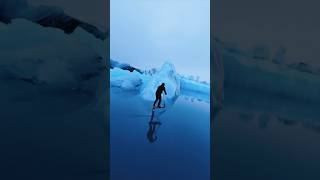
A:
264, 119
153, 127
264, 137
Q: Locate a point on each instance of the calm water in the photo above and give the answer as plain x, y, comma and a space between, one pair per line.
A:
261, 137
175, 145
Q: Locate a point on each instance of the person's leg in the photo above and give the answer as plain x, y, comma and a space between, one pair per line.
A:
154, 103
159, 101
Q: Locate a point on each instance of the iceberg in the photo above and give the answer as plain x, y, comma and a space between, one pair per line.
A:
68, 64
245, 73
146, 84
125, 79
194, 89
114, 64
194, 86
259, 85
167, 74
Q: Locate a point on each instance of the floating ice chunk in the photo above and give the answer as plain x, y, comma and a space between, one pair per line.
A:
125, 79
167, 74
124, 66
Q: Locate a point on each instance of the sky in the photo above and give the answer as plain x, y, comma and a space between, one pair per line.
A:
146, 33
286, 23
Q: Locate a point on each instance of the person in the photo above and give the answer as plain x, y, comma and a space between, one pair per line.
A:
159, 91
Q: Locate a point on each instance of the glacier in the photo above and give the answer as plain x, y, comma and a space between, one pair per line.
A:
167, 74
146, 84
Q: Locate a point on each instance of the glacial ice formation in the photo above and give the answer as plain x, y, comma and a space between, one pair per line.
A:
146, 84
124, 66
189, 86
125, 79
167, 74
69, 63
242, 72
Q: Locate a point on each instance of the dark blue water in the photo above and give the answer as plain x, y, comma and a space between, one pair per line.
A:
175, 145
266, 137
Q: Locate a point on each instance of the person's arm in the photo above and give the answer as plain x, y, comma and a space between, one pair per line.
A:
165, 92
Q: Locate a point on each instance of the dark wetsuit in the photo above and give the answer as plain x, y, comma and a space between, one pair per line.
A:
158, 94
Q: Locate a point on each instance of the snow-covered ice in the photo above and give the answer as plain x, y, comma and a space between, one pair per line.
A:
146, 84
125, 79
168, 75
73, 61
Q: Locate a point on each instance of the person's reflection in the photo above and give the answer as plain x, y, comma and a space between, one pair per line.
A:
153, 126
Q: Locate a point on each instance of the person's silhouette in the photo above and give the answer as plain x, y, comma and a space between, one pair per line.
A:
151, 134
159, 91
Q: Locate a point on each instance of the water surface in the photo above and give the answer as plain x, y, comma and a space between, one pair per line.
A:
171, 145
264, 137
